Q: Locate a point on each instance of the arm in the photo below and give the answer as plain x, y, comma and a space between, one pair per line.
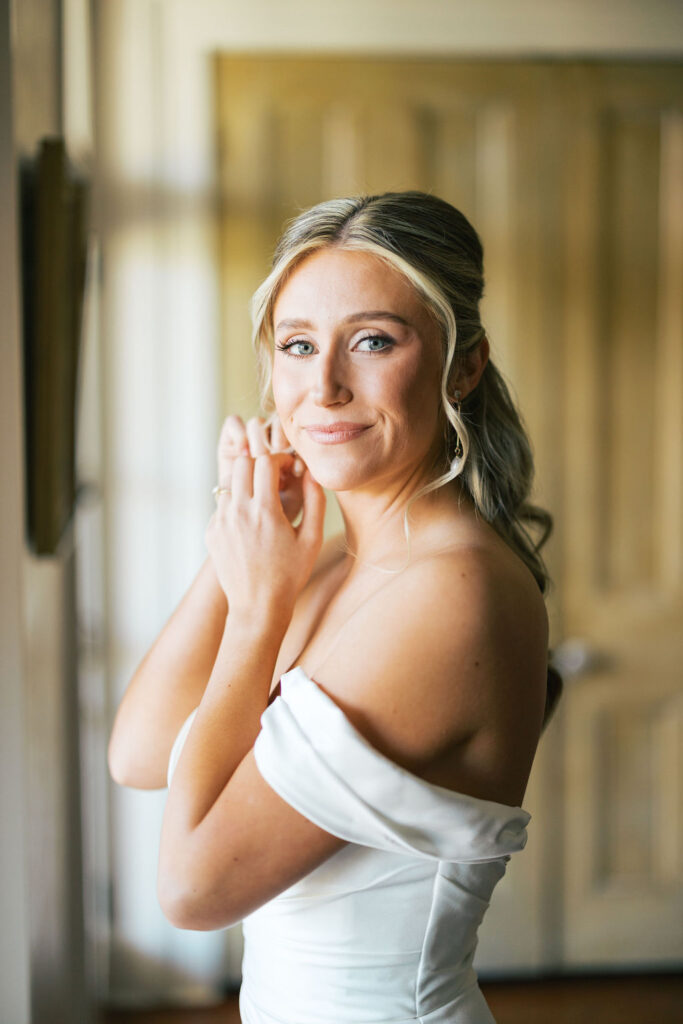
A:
171, 679
458, 707
167, 685
205, 831
263, 563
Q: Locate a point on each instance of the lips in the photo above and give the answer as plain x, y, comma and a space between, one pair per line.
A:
335, 433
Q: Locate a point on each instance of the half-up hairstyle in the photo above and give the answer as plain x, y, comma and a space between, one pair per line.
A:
436, 248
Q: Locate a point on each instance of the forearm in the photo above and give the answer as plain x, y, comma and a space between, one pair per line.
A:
168, 684
223, 732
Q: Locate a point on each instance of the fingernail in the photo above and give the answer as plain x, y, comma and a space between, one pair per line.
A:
298, 468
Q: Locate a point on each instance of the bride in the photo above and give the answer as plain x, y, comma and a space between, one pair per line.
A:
347, 728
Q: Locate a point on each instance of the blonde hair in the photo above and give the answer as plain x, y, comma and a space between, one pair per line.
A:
435, 247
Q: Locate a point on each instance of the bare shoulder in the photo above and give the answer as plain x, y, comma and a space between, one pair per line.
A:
451, 650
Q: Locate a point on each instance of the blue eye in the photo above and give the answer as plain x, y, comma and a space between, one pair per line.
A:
299, 348
372, 341
290, 346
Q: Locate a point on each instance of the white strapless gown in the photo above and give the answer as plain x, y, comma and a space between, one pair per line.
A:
384, 931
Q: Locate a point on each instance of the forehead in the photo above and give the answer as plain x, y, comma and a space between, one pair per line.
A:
337, 282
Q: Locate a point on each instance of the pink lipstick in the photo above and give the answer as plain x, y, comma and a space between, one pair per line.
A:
334, 433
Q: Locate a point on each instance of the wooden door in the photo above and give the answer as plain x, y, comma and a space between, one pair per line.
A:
554, 164
622, 572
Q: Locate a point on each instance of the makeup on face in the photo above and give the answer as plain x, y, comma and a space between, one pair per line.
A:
357, 368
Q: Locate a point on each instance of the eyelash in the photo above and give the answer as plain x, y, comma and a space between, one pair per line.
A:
388, 343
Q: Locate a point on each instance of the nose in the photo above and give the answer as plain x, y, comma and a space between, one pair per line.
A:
329, 385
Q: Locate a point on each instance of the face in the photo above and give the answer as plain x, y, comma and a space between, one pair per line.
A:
357, 371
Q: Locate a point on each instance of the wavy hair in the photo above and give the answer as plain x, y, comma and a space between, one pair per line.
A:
435, 247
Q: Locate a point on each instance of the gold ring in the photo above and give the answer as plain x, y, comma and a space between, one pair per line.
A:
218, 490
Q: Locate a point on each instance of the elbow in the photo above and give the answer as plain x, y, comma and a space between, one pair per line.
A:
172, 892
190, 909
117, 761
189, 913
120, 769
117, 768
185, 916
173, 905
143, 771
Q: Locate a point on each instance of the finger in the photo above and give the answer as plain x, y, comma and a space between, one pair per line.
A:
233, 433
222, 493
256, 434
310, 529
242, 478
285, 464
266, 481
233, 439
278, 439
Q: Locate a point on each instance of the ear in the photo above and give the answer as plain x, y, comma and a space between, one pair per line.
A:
471, 370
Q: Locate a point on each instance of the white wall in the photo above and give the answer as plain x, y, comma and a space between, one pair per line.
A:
160, 323
467, 27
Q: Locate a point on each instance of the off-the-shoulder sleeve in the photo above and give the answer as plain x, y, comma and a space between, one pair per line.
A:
178, 744
314, 758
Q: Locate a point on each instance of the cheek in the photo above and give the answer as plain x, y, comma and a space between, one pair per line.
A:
417, 393
285, 394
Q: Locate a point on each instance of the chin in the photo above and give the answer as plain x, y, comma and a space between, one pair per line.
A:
339, 474
337, 480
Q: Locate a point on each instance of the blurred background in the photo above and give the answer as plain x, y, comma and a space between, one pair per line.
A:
150, 152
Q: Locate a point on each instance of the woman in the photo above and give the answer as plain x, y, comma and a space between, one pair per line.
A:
366, 712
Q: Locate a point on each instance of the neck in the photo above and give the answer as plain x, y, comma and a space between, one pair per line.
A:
374, 521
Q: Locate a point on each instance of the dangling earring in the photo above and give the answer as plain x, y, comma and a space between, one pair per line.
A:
456, 461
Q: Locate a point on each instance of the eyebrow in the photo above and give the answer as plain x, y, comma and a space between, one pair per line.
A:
371, 314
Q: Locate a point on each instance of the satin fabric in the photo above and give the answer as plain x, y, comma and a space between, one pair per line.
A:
385, 930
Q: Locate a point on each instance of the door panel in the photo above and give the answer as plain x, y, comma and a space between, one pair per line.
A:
621, 577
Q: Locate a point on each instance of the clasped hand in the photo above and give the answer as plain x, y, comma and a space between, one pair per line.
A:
262, 561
